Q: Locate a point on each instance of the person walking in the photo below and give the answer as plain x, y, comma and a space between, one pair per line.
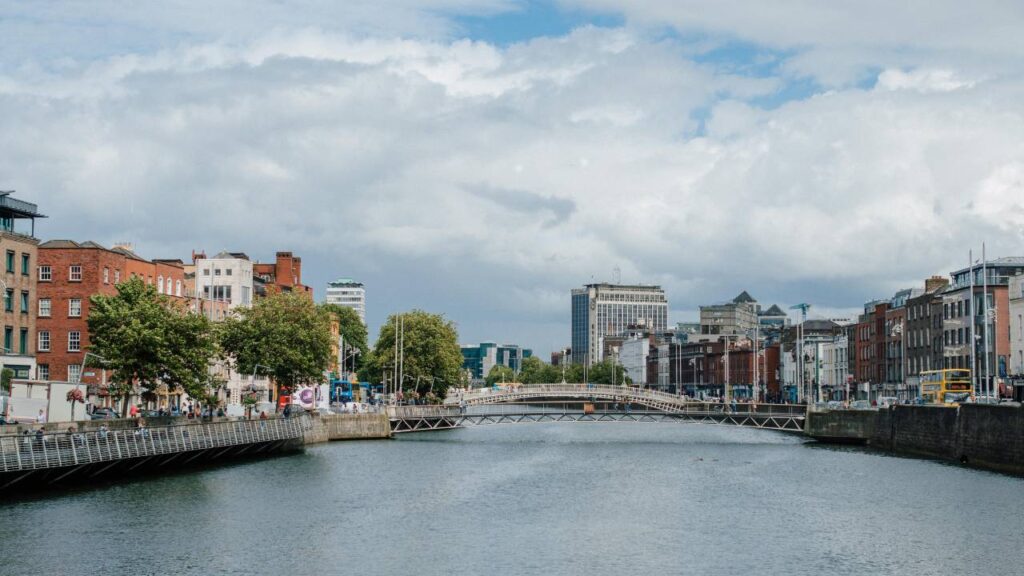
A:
41, 419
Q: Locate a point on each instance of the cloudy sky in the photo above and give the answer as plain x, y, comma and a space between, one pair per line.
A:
481, 158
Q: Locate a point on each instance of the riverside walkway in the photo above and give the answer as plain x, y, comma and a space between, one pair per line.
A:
49, 458
587, 403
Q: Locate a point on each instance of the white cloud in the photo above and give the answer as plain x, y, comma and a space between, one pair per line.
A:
485, 181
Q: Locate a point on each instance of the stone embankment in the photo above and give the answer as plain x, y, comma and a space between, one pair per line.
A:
348, 427
981, 435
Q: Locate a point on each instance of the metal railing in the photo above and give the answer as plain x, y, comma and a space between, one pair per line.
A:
654, 399
692, 409
35, 451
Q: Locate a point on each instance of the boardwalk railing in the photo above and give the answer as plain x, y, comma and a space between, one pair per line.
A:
26, 452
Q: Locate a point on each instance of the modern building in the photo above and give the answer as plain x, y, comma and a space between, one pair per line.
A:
479, 359
990, 291
633, 356
600, 310
738, 316
68, 274
19, 284
1016, 297
349, 293
283, 275
225, 278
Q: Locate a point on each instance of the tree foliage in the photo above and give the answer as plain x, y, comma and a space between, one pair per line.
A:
352, 329
144, 338
6, 375
533, 370
433, 359
285, 336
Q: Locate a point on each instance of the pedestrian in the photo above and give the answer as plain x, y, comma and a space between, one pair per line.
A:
41, 419
103, 432
133, 411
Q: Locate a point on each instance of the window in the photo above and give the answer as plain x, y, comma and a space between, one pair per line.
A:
44, 307
106, 275
9, 301
227, 271
74, 372
8, 339
74, 341
117, 276
24, 302
24, 264
44, 341
43, 372
75, 273
206, 271
216, 272
75, 307
10, 261
45, 274
177, 288
160, 284
23, 341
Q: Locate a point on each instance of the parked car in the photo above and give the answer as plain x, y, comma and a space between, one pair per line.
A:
861, 405
104, 414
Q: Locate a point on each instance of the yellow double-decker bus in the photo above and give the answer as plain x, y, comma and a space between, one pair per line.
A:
950, 386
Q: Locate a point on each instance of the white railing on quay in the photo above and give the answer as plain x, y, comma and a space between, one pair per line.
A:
34, 451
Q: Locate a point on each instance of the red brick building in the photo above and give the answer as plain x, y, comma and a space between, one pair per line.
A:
283, 275
68, 274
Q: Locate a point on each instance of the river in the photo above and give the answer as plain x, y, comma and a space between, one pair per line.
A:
588, 499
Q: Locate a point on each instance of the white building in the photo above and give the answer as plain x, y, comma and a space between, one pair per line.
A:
1017, 325
633, 358
599, 310
226, 277
835, 363
349, 293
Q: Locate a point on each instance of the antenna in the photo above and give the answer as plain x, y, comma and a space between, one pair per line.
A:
617, 275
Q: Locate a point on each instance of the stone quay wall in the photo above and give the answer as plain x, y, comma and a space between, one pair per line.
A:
982, 435
348, 427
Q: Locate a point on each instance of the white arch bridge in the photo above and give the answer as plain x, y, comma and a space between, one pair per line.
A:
587, 403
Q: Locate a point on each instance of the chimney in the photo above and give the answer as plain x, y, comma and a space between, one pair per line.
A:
935, 283
283, 269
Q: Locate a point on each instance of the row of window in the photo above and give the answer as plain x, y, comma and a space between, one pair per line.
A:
74, 341
9, 301
9, 340
25, 262
74, 307
217, 271
171, 287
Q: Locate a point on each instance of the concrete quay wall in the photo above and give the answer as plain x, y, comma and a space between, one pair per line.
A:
986, 436
348, 427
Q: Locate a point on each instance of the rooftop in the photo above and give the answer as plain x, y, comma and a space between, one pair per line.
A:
14, 208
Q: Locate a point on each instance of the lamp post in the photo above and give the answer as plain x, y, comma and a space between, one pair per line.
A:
81, 371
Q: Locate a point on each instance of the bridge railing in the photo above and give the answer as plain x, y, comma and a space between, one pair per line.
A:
621, 393
597, 407
25, 452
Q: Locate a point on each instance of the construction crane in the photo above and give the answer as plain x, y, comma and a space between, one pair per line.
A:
802, 307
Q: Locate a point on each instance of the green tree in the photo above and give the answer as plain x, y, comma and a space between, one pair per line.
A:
352, 329
533, 370
433, 359
144, 338
500, 373
6, 375
285, 336
607, 372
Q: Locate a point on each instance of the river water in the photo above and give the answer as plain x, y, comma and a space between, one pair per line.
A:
608, 498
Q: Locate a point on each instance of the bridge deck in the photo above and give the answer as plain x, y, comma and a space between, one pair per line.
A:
55, 456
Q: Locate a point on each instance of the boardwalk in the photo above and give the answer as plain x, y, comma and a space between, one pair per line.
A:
56, 457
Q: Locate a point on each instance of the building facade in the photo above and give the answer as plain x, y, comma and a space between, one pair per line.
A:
69, 273
225, 278
600, 310
283, 275
738, 316
20, 249
479, 359
1016, 299
348, 293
